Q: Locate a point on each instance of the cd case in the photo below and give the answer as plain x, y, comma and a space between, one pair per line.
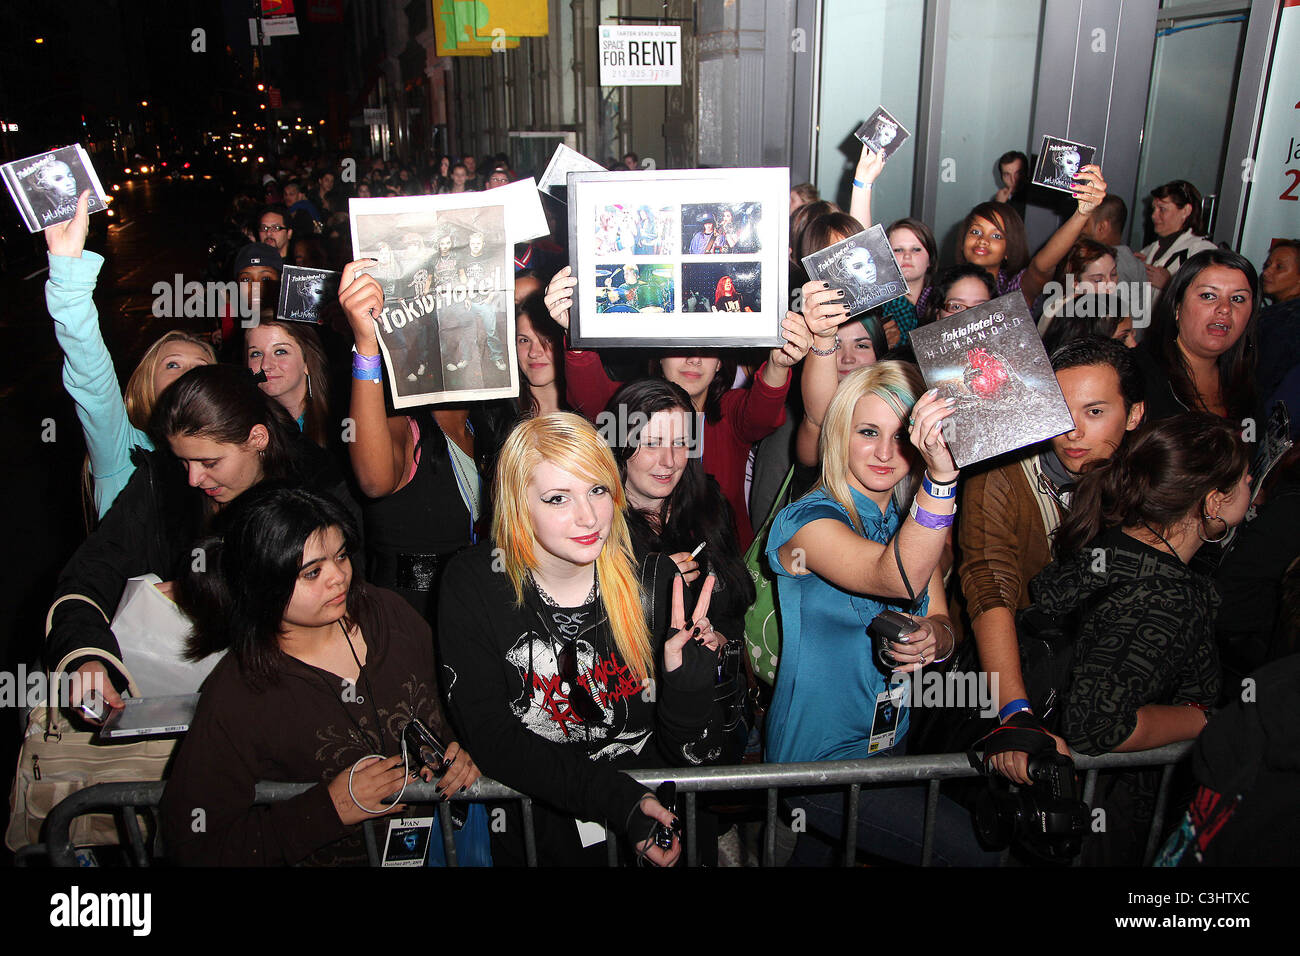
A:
882, 132
45, 187
1059, 162
992, 361
304, 293
863, 266
554, 181
151, 717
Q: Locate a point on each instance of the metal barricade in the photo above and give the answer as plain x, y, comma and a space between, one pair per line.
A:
771, 778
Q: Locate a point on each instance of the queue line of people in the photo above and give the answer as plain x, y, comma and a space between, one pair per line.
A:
554, 621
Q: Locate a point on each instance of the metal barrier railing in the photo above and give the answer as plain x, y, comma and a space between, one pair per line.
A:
771, 778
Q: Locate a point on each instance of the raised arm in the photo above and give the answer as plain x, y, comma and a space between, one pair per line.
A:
1044, 263
835, 552
824, 312
587, 386
869, 167
382, 450
88, 372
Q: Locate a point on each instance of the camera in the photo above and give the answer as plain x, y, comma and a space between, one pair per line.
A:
666, 794
427, 749
889, 627
1047, 819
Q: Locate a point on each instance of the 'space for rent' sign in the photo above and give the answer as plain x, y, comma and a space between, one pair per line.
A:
640, 56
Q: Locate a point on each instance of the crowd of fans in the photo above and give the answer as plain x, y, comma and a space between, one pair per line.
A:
558, 605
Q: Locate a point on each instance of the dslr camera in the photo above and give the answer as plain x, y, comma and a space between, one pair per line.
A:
1047, 819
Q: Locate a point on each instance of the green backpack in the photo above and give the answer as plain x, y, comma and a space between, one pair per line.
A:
763, 619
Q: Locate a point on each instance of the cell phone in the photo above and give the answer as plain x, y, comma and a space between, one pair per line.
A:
427, 749
666, 794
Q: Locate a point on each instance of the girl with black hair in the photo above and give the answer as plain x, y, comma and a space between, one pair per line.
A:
993, 237
228, 436
426, 475
677, 509
734, 418
539, 343
1200, 351
1146, 667
323, 675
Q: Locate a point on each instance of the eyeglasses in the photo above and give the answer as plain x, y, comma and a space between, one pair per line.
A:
580, 700
266, 228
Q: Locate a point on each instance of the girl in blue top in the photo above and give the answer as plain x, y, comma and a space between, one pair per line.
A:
111, 420
843, 554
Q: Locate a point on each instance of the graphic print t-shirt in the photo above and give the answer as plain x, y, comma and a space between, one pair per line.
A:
545, 707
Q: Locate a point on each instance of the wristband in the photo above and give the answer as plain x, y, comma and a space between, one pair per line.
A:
942, 492
365, 361
1014, 707
951, 650
367, 374
861, 185
942, 484
830, 351
928, 519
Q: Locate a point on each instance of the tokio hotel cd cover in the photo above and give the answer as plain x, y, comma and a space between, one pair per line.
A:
863, 266
305, 293
992, 361
45, 187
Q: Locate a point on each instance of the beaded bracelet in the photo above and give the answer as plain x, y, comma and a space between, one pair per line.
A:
823, 352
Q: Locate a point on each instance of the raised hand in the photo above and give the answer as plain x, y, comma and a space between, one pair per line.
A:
69, 238
824, 310
870, 164
362, 298
559, 296
798, 337
926, 432
696, 628
1092, 190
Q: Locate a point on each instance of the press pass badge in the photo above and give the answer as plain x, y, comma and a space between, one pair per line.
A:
884, 725
408, 841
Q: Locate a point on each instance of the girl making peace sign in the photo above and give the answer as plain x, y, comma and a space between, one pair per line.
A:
567, 663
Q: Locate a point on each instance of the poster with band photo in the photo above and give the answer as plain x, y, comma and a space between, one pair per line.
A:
863, 266
1059, 162
654, 249
446, 266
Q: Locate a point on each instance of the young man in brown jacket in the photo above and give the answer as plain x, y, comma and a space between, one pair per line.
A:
1009, 513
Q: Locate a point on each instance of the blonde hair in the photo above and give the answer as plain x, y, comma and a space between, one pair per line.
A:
898, 385
570, 442
140, 394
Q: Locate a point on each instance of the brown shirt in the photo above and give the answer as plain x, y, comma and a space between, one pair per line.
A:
1001, 538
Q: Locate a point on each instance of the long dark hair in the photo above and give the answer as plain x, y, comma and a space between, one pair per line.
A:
926, 235
223, 403
315, 418
696, 511
1236, 365
534, 307
250, 570
1157, 479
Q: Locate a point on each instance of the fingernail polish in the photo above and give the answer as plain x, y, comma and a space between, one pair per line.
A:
695, 633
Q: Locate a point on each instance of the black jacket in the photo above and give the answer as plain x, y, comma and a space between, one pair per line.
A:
151, 527
1150, 640
501, 678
